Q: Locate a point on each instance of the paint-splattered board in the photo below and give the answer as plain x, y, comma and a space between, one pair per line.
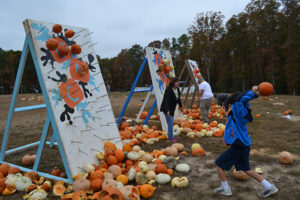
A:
160, 80
193, 67
79, 101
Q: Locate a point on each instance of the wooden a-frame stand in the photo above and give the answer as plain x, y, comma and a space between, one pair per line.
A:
190, 80
28, 45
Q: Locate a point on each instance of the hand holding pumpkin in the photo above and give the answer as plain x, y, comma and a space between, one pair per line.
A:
255, 90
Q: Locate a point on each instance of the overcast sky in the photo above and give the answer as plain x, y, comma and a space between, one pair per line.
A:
117, 24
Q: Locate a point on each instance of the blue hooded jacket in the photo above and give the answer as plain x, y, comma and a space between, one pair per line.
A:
236, 127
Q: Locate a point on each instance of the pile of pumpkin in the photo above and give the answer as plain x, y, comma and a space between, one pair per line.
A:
216, 111
192, 128
118, 168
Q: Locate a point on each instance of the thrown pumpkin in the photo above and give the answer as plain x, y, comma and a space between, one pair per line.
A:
265, 89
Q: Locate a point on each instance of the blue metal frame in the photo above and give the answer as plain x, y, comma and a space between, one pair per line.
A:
131, 91
50, 111
14, 96
150, 112
28, 45
30, 107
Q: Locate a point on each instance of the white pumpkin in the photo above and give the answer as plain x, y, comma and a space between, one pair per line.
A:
180, 182
142, 153
88, 168
198, 134
166, 61
203, 132
150, 142
147, 158
209, 133
140, 178
205, 125
182, 167
22, 183
151, 175
133, 155
145, 127
37, 194
11, 180
221, 126
152, 167
129, 120
100, 155
171, 74
141, 164
162, 178
136, 148
176, 131
162, 157
131, 174
191, 135
138, 136
195, 145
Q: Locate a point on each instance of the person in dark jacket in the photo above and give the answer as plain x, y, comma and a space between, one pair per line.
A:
236, 135
221, 98
170, 100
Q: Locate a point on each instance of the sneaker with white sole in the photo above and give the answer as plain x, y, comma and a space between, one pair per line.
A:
268, 192
222, 191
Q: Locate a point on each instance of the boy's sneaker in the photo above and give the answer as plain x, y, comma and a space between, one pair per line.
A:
222, 191
268, 192
173, 140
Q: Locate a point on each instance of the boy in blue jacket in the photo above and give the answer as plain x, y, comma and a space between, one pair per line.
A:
237, 137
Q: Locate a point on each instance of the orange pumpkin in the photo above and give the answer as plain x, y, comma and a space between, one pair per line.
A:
161, 168
218, 133
111, 160
98, 174
69, 33
109, 145
55, 172
265, 89
79, 195
14, 170
122, 179
2, 185
144, 115
124, 125
128, 163
184, 153
110, 193
96, 184
4, 169
213, 124
52, 44
63, 50
57, 28
147, 191
199, 152
127, 148
170, 172
76, 49
119, 155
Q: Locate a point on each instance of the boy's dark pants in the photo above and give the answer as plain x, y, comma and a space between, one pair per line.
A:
237, 154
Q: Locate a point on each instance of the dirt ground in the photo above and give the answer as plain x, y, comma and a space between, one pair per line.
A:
270, 135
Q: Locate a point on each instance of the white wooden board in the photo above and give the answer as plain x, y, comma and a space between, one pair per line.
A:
193, 66
160, 80
80, 104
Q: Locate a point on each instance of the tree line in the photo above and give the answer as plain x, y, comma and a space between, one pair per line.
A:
262, 43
